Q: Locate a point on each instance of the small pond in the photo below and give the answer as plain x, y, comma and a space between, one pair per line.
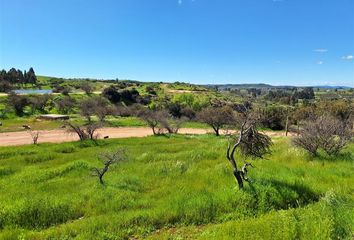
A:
33, 91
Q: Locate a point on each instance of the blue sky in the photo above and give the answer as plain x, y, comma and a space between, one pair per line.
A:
282, 42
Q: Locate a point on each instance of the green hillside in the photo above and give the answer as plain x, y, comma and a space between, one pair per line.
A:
177, 187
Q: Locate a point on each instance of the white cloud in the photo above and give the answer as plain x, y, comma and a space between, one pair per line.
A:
321, 50
179, 2
278, 0
320, 62
348, 57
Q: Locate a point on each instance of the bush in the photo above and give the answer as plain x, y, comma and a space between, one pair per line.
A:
127, 96
65, 104
39, 102
274, 118
18, 103
326, 133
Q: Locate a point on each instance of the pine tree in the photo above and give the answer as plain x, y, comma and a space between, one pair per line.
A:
31, 76
19, 78
25, 77
12, 75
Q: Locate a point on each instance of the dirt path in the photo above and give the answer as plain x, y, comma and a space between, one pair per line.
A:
56, 136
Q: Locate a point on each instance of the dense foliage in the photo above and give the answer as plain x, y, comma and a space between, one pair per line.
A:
16, 77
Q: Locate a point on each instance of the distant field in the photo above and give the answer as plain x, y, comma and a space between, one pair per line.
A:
176, 187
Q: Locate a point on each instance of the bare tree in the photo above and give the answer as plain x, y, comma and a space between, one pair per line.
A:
250, 143
91, 130
34, 135
84, 132
98, 106
108, 159
325, 132
87, 108
153, 120
172, 125
161, 122
216, 117
103, 108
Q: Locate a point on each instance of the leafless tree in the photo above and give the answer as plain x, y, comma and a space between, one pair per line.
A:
109, 159
161, 122
250, 143
98, 106
128, 111
87, 108
84, 132
91, 130
216, 117
102, 109
325, 132
153, 120
34, 135
172, 125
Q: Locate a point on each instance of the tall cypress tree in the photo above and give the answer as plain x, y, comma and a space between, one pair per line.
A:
31, 76
3, 75
20, 78
12, 76
25, 77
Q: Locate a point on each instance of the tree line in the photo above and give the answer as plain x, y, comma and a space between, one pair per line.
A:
16, 77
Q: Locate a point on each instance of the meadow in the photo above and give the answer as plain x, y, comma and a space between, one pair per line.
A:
173, 187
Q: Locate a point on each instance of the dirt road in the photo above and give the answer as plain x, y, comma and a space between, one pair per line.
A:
56, 136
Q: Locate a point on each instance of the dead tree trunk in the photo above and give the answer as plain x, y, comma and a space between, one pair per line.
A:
216, 130
251, 144
108, 160
240, 175
100, 172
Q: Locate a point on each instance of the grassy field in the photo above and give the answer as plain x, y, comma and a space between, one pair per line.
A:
173, 187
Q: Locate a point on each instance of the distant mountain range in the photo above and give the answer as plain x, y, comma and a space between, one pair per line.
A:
263, 85
221, 86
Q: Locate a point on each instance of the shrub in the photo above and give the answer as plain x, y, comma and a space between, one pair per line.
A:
274, 118
18, 103
327, 133
39, 102
65, 104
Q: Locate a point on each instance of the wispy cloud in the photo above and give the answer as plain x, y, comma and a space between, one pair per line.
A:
348, 57
278, 0
179, 2
321, 50
320, 62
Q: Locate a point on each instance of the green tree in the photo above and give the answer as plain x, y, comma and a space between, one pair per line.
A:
31, 76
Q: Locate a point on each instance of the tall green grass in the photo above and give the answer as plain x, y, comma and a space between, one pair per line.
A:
172, 187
